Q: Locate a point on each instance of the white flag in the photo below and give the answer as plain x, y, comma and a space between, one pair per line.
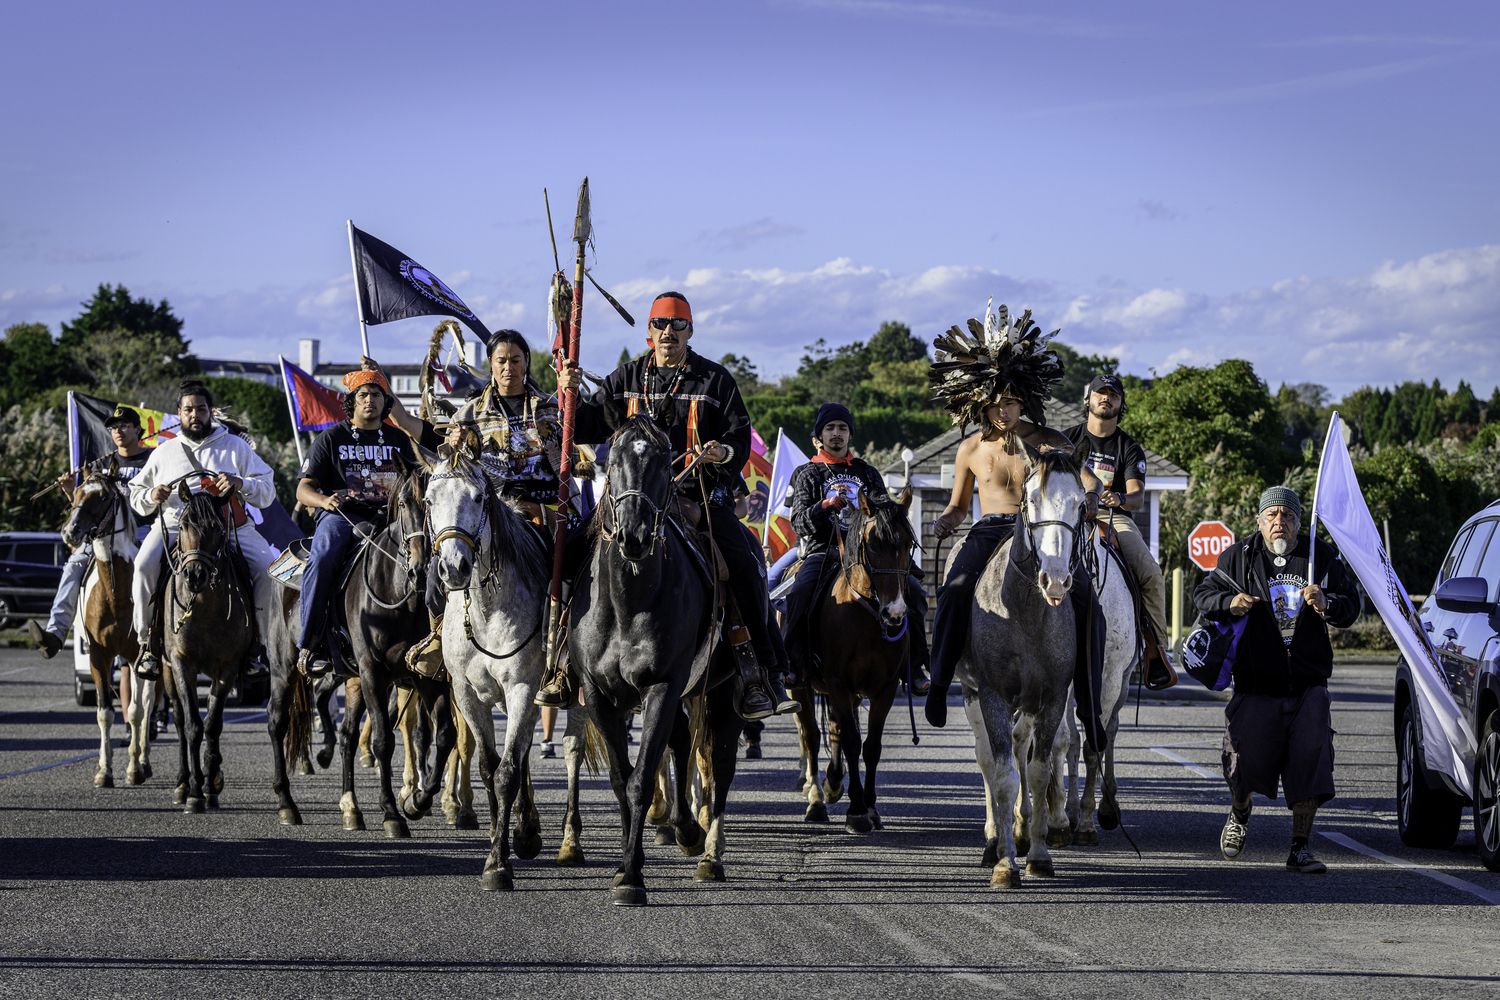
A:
788, 458
1340, 505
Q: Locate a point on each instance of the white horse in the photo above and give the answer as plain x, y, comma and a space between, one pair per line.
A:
497, 571
1017, 669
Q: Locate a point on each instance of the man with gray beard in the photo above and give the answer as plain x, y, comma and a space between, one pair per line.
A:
1278, 725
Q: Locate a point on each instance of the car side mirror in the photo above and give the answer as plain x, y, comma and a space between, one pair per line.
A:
1464, 594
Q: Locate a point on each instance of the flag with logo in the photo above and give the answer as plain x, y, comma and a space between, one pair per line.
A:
1340, 505
315, 407
392, 286
757, 475
89, 439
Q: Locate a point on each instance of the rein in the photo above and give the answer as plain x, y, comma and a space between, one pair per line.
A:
866, 601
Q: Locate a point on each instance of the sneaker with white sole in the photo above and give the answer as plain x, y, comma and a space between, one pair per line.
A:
1301, 860
549, 749
1232, 839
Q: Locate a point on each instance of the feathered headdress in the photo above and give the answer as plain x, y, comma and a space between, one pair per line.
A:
1002, 358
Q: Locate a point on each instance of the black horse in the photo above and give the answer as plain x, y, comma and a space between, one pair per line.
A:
643, 634
384, 609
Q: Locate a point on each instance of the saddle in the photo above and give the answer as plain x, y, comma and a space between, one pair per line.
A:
1158, 673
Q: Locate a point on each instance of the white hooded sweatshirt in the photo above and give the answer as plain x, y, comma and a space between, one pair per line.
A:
221, 451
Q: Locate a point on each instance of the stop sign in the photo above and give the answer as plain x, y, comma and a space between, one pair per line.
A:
1206, 541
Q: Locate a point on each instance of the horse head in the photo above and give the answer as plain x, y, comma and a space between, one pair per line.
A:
1052, 521
881, 541
405, 510
640, 488
201, 536
95, 503
457, 502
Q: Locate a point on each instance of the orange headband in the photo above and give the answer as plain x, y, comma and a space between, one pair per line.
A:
671, 308
354, 380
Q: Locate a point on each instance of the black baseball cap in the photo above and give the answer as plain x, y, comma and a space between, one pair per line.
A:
123, 415
1106, 380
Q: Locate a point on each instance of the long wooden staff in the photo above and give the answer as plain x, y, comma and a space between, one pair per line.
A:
581, 232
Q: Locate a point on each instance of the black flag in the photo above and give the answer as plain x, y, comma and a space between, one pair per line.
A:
392, 286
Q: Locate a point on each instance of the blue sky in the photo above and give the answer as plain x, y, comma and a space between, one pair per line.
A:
1312, 187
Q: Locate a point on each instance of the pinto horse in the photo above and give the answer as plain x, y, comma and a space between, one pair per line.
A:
643, 634
865, 650
101, 517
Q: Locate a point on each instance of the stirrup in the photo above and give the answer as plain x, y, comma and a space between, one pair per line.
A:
425, 658
313, 665
148, 666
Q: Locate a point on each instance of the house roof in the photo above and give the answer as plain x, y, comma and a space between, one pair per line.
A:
930, 458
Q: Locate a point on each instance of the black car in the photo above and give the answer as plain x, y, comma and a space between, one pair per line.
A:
1461, 619
31, 565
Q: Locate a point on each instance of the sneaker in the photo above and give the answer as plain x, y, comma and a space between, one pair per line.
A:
1232, 840
755, 703
1301, 860
549, 749
785, 703
48, 643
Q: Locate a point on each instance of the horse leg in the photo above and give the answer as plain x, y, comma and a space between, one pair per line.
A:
845, 706
100, 663
325, 721
527, 838
508, 778
179, 710
463, 774
278, 723
213, 728
190, 722
1038, 777
687, 829
138, 715
570, 854
995, 714
808, 738
383, 745
444, 737
613, 728
724, 730
1075, 810
880, 709
833, 778
408, 712
349, 728
1059, 826
660, 813
366, 758
1023, 748
984, 757
1109, 809
660, 706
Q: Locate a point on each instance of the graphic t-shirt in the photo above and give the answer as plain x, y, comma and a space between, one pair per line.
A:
361, 462
843, 482
1115, 459
130, 465
1285, 582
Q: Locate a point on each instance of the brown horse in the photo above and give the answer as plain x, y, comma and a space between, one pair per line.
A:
865, 651
101, 517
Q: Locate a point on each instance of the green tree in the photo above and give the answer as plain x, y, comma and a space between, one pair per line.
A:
1492, 408
113, 307
744, 372
260, 407
1401, 485
31, 362
542, 372
894, 342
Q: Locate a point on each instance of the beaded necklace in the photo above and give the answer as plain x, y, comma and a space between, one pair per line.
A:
651, 396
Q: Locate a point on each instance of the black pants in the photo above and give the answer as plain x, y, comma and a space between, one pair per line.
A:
815, 576
950, 628
747, 581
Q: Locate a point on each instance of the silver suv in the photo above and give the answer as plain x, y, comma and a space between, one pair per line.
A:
1461, 619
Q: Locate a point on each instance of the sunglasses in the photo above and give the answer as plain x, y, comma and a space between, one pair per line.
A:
661, 323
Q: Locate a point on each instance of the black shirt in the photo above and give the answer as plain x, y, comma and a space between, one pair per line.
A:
1116, 459
130, 467
362, 462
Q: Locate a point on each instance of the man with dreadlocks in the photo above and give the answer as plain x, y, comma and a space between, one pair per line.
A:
698, 404
993, 379
347, 478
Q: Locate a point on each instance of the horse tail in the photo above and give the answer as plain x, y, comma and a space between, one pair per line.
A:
595, 753
299, 733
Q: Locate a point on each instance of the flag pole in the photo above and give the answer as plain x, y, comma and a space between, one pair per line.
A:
291, 409
581, 233
359, 302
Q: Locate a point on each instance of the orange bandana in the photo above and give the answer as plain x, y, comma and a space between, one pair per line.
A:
823, 458
354, 380
671, 309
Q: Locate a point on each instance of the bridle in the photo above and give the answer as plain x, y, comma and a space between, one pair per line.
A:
412, 573
471, 539
1075, 528
868, 601
112, 506
611, 501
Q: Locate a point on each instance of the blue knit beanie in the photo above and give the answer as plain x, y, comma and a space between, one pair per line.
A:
1281, 496
832, 411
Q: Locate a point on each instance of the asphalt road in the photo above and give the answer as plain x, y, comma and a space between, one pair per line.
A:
115, 892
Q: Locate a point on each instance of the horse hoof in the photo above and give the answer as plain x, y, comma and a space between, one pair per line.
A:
193, 805
1040, 866
1109, 818
528, 844
104, 779
179, 795
817, 812
466, 821
145, 771
305, 767
213, 802
692, 840
991, 853
366, 760
135, 776
396, 829
570, 855
858, 823
409, 806
1086, 838
665, 836
833, 792
289, 816
325, 757
1005, 878
709, 871
497, 880
875, 820
354, 820
628, 895
1059, 836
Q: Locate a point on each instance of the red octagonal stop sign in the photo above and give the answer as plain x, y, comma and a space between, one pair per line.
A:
1207, 541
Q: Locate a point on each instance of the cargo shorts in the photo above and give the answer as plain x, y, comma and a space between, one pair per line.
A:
1290, 739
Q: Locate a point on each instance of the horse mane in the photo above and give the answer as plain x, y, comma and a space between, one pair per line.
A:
1056, 460
638, 424
890, 529
201, 510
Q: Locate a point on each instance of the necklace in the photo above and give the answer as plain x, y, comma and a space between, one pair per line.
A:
651, 395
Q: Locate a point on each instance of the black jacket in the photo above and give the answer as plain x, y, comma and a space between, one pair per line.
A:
707, 394
1264, 663
815, 482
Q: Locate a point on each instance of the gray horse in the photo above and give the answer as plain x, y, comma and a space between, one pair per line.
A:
1017, 670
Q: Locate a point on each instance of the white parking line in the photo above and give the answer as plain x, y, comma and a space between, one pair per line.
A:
35, 708
1177, 758
1489, 896
18, 670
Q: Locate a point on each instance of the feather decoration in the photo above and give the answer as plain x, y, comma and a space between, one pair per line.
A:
994, 358
425, 376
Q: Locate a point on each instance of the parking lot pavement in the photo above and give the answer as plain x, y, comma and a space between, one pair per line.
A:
116, 892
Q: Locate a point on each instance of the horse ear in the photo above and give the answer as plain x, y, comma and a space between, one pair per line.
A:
905, 500
426, 457
183, 493
614, 413
864, 505
402, 466
470, 444
444, 452
114, 466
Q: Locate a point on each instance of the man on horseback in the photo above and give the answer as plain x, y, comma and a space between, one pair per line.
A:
698, 404
130, 457
347, 479
208, 456
823, 490
1004, 394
